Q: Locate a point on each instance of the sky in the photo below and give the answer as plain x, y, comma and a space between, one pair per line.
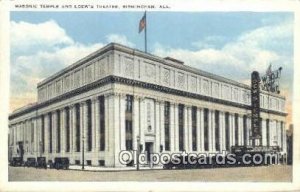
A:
230, 44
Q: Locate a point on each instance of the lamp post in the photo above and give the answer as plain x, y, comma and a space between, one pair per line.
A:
82, 165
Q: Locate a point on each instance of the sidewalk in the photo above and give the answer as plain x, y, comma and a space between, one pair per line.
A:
98, 168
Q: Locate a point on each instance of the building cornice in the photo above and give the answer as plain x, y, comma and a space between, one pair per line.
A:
135, 52
122, 80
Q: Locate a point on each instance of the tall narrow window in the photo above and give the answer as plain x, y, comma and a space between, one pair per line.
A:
217, 130
268, 132
245, 130
167, 126
43, 133
194, 128
128, 122
227, 131
236, 128
206, 129
102, 122
77, 112
58, 132
181, 126
50, 132
89, 128
67, 124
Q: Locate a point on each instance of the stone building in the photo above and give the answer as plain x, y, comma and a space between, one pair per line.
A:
117, 98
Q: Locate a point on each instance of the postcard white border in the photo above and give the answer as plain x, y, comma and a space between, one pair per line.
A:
176, 5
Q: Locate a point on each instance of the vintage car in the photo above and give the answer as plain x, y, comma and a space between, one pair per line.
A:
16, 161
31, 162
41, 162
61, 163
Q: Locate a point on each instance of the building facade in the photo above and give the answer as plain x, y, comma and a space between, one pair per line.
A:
119, 98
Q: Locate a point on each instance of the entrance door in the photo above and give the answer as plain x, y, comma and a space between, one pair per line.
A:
149, 150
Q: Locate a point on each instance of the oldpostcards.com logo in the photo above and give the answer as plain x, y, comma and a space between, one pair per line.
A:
221, 158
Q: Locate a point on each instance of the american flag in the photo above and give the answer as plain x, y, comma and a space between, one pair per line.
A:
142, 23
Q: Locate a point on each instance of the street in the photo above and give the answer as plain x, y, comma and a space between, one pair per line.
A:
274, 173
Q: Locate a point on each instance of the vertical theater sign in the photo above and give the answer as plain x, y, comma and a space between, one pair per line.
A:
255, 106
268, 82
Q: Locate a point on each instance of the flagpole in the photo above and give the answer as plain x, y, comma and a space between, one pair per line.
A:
146, 31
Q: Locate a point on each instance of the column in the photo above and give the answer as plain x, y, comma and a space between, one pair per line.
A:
211, 132
264, 132
233, 129
157, 126
84, 130
278, 133
198, 129
230, 130
223, 128
271, 128
176, 128
249, 131
62, 131
117, 140
46, 134
241, 132
107, 122
136, 121
121, 112
14, 139
185, 130
189, 129
142, 122
95, 124
202, 129
162, 124
284, 147
172, 127
54, 131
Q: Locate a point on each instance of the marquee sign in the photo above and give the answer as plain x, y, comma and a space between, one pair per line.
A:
255, 105
270, 81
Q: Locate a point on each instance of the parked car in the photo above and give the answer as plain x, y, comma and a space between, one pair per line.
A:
41, 162
31, 162
16, 161
61, 163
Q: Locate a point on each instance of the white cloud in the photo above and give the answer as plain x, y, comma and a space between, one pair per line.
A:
117, 38
252, 50
38, 51
28, 37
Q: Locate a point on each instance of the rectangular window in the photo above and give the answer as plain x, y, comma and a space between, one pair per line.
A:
206, 137
67, 124
128, 122
227, 131
217, 130
102, 122
245, 130
181, 126
236, 128
194, 128
43, 133
167, 126
58, 132
89, 128
128, 127
50, 132
129, 99
77, 134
